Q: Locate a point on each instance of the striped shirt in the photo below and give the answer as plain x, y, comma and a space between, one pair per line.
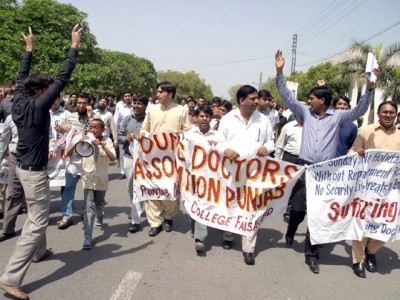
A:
320, 137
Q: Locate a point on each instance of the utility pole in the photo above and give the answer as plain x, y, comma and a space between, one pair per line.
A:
259, 85
294, 48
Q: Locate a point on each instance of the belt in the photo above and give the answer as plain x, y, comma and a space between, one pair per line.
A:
28, 168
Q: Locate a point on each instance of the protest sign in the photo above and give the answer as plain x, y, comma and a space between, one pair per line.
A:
354, 196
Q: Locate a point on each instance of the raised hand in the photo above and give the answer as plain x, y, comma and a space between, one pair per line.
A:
76, 36
279, 61
29, 40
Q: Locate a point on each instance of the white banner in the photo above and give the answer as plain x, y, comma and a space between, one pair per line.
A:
154, 171
352, 197
233, 196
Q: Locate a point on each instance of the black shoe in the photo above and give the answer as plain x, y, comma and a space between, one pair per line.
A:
359, 269
122, 177
313, 263
370, 262
133, 228
168, 225
289, 239
6, 236
227, 245
155, 230
286, 217
249, 258
64, 224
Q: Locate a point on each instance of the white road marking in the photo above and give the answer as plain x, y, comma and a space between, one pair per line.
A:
127, 286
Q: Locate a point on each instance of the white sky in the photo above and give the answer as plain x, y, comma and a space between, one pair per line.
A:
230, 42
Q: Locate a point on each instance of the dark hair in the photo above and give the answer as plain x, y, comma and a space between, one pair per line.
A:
76, 94
36, 82
143, 99
203, 108
343, 97
84, 96
189, 98
391, 103
227, 105
216, 100
99, 121
323, 91
168, 87
243, 91
9, 92
123, 94
264, 94
278, 107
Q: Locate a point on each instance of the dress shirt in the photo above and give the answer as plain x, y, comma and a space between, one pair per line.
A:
108, 119
347, 135
31, 113
122, 110
244, 138
161, 117
374, 136
320, 134
130, 124
289, 140
272, 115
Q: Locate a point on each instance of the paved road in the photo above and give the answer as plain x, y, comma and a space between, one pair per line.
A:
124, 266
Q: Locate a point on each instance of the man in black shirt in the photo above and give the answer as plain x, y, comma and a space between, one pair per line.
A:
33, 98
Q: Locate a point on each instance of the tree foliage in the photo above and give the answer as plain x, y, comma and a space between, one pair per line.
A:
98, 71
188, 84
52, 23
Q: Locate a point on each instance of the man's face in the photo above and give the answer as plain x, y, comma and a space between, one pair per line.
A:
95, 127
164, 97
139, 108
201, 101
250, 103
73, 98
81, 105
316, 104
267, 102
223, 110
102, 104
191, 105
183, 102
216, 111
127, 98
203, 122
387, 115
341, 104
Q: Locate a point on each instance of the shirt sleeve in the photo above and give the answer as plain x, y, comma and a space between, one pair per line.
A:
280, 143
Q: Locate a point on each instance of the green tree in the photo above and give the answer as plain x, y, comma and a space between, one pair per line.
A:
51, 23
114, 72
188, 83
389, 74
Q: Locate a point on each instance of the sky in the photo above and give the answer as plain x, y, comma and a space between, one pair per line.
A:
229, 42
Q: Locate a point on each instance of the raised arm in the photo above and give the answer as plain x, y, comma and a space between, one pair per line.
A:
286, 95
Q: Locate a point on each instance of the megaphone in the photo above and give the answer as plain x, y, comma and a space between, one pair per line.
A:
85, 148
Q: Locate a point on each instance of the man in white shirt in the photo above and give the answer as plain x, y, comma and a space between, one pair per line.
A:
108, 120
123, 109
245, 132
202, 133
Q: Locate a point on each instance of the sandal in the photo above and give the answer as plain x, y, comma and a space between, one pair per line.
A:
46, 254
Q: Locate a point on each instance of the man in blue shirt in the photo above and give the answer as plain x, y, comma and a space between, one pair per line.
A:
320, 139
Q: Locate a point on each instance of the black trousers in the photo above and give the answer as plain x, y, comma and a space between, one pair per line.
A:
298, 212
